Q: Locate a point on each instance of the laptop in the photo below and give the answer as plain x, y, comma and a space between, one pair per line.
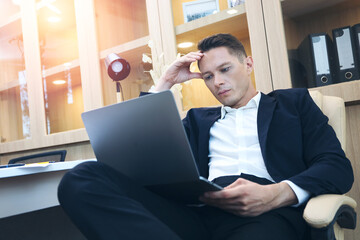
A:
144, 139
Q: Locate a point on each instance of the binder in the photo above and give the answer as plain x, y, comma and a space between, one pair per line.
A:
345, 54
356, 34
317, 56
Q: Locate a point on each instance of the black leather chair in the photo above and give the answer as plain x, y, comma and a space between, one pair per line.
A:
52, 156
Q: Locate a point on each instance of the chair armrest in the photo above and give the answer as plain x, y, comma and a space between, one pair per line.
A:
325, 210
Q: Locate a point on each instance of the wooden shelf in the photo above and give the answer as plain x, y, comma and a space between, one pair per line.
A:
11, 19
219, 22
210, 19
9, 85
139, 44
349, 91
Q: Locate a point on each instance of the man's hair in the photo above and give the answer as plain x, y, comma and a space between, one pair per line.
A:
233, 45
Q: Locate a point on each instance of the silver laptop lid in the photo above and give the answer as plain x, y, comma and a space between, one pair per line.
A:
143, 138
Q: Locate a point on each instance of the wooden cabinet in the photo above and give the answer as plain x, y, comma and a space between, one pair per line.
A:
65, 42
287, 23
14, 125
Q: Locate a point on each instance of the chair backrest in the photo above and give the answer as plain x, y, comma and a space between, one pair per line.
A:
53, 156
334, 109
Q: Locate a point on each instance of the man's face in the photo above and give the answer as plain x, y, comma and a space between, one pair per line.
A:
227, 77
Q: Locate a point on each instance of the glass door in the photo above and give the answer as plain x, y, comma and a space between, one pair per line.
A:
14, 106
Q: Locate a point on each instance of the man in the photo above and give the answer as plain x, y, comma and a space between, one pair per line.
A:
270, 152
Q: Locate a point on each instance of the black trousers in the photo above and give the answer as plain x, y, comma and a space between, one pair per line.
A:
104, 204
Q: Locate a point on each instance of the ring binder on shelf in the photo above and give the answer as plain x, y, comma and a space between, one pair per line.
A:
317, 56
356, 34
344, 46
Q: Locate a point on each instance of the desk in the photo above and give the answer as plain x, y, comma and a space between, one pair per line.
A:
25, 190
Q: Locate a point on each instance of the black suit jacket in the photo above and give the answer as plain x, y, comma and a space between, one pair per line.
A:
296, 141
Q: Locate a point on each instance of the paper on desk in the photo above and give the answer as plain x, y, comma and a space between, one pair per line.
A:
36, 165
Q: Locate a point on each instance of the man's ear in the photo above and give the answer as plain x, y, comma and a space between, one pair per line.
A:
249, 64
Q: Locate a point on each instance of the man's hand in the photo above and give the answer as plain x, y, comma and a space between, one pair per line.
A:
245, 198
179, 71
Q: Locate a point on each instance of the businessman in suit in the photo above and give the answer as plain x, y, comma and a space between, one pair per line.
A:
270, 152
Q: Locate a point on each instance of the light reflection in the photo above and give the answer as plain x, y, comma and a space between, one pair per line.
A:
59, 82
70, 98
24, 102
16, 2
46, 101
232, 11
54, 19
48, 4
185, 44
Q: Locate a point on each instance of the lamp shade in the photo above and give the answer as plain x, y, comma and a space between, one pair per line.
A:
117, 67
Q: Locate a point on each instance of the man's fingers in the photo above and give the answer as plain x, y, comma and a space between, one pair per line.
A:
195, 75
225, 194
191, 57
239, 181
222, 202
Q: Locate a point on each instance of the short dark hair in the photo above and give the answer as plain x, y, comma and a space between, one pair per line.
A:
234, 46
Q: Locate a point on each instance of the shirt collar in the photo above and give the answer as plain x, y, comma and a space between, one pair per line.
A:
253, 103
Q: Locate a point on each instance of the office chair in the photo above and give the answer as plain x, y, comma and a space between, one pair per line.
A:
53, 156
329, 214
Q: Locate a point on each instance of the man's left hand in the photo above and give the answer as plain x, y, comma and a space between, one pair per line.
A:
246, 198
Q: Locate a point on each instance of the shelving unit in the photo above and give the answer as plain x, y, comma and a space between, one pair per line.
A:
294, 20
220, 22
287, 23
90, 85
349, 91
10, 84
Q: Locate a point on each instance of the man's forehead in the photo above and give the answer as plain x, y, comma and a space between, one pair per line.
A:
214, 58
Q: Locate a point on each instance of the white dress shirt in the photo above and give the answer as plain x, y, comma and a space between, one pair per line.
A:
234, 146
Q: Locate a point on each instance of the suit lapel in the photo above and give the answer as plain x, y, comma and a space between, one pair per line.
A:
265, 114
204, 135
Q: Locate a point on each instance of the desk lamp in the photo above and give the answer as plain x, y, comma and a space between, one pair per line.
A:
118, 69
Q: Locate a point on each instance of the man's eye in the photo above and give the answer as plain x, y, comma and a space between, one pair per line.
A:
207, 77
225, 69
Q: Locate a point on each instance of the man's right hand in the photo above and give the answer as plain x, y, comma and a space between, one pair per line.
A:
179, 71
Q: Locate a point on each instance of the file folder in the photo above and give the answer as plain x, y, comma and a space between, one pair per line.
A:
317, 56
346, 59
356, 33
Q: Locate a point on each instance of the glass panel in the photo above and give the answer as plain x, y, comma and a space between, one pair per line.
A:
302, 18
195, 92
189, 10
120, 21
138, 80
10, 11
57, 32
14, 107
59, 54
63, 100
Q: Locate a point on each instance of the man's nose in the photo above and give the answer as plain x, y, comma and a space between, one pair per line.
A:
218, 81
